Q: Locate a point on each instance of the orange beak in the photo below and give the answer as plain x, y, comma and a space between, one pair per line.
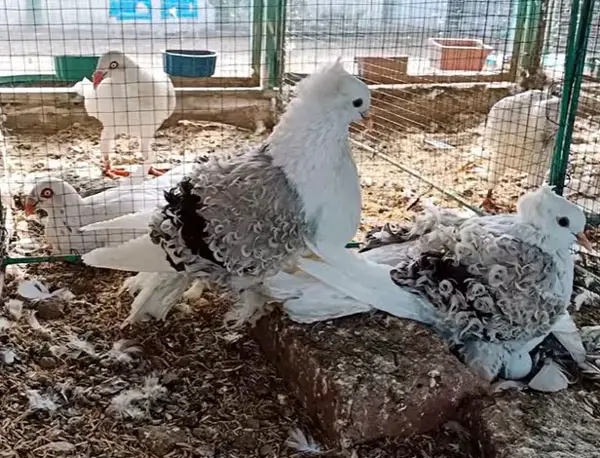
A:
97, 78
30, 206
367, 121
584, 242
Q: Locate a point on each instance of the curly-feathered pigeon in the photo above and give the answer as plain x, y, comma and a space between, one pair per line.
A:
240, 218
494, 286
128, 99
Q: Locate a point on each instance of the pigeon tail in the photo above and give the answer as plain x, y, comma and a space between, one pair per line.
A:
136, 255
307, 300
366, 282
131, 221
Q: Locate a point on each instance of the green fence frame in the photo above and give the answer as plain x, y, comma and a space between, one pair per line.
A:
579, 31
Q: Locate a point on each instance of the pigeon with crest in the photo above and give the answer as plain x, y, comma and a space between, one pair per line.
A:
240, 218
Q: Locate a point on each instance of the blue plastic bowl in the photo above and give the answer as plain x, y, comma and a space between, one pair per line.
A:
189, 62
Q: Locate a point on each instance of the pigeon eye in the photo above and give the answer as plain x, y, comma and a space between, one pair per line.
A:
357, 103
563, 221
114, 64
47, 193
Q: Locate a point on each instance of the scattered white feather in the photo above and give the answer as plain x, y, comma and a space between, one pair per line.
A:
124, 351
35, 324
58, 446
15, 308
232, 337
8, 356
300, 442
585, 297
40, 402
508, 385
5, 323
588, 280
80, 346
550, 379
35, 291
134, 403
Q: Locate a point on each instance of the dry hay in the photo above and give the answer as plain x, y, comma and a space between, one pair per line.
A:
186, 386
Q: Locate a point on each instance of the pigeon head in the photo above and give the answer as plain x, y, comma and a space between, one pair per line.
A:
561, 221
335, 90
47, 194
111, 64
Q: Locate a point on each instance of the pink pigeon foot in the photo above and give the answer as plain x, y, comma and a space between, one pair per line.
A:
114, 173
157, 172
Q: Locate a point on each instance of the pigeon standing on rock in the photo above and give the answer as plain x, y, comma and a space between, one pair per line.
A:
238, 219
494, 286
128, 99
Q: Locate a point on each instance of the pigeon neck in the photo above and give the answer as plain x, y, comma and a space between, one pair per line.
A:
313, 151
309, 144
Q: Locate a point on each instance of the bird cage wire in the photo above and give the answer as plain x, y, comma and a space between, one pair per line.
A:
436, 67
436, 132
50, 46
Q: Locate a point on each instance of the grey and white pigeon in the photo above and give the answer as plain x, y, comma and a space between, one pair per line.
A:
67, 211
240, 218
493, 286
128, 99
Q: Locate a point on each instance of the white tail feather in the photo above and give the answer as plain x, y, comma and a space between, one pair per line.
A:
157, 293
550, 379
566, 332
136, 255
130, 221
307, 300
366, 282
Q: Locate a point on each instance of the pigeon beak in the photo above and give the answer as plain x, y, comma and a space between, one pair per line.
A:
97, 77
30, 206
367, 120
584, 242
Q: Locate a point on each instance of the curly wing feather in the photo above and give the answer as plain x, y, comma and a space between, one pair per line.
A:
485, 285
235, 215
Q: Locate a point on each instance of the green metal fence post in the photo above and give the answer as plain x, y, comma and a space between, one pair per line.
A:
258, 11
518, 39
579, 30
274, 30
531, 26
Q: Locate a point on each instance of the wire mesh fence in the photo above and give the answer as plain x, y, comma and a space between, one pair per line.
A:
60, 125
449, 116
437, 69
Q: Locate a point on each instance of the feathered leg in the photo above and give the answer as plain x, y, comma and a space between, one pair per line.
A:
250, 307
155, 294
107, 138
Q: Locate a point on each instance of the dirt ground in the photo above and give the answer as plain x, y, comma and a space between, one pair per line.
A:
82, 386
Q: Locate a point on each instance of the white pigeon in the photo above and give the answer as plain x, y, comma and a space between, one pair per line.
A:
239, 219
67, 211
128, 99
494, 285
519, 136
